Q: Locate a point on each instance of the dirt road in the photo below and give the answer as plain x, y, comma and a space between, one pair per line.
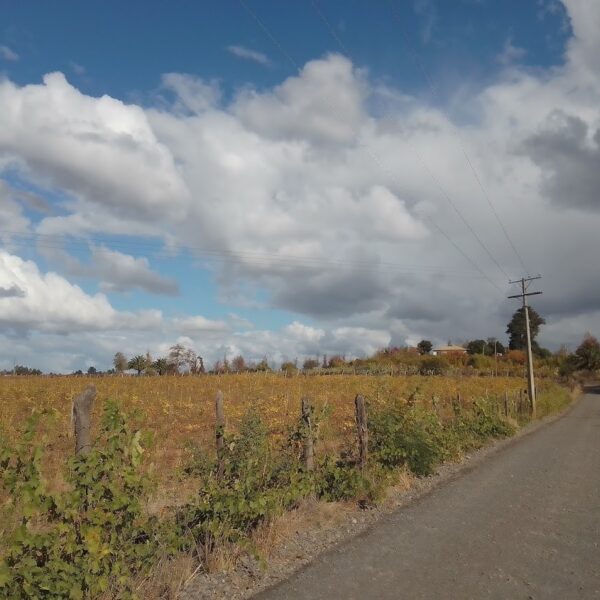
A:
523, 524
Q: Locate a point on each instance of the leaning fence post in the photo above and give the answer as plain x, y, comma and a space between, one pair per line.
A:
82, 412
363, 431
307, 434
220, 432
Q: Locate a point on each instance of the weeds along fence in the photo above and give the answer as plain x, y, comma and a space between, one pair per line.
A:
94, 535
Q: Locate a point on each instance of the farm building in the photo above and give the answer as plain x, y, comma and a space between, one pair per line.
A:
450, 349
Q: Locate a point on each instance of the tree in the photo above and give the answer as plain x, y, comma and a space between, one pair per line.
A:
424, 347
120, 362
92, 371
309, 364
288, 368
138, 363
238, 364
493, 346
263, 365
588, 354
476, 347
177, 357
516, 330
161, 366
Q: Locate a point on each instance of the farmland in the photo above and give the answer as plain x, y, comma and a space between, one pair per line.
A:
416, 421
179, 411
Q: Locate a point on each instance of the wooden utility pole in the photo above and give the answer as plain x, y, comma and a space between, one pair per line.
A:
525, 282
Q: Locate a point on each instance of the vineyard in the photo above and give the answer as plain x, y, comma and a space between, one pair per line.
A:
155, 440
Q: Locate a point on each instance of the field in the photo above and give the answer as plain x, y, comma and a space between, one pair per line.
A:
439, 417
179, 411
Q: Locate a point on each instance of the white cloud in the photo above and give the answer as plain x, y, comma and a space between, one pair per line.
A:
248, 54
318, 202
8, 54
49, 303
198, 323
100, 150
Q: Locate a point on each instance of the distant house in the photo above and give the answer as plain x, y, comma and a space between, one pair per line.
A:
450, 349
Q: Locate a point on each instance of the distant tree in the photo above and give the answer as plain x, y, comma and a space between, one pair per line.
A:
21, 370
588, 354
424, 347
263, 365
336, 362
309, 364
161, 366
289, 368
138, 363
517, 330
476, 347
178, 357
92, 371
238, 364
120, 362
493, 346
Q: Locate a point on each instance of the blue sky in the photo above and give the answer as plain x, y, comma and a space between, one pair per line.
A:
300, 178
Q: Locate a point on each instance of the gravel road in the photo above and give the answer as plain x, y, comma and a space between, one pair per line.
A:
525, 523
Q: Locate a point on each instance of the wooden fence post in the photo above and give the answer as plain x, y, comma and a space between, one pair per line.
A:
506, 403
220, 432
82, 412
363, 431
307, 434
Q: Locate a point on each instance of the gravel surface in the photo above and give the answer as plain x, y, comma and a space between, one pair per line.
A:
494, 530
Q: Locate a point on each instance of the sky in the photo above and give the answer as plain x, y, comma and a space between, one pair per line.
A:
287, 180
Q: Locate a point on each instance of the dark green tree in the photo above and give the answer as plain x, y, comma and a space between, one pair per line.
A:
477, 347
161, 366
493, 346
516, 330
424, 347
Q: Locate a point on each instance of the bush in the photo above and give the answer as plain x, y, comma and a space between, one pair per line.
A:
92, 538
406, 436
434, 365
256, 483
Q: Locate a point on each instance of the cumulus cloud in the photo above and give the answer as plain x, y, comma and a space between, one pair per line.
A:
12, 291
49, 303
326, 207
98, 149
567, 150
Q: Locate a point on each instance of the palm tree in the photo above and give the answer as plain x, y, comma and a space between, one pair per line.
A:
138, 363
161, 366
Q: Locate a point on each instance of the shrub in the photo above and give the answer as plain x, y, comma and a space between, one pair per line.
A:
433, 365
400, 435
91, 538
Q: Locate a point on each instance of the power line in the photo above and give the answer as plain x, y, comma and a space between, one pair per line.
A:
438, 183
276, 42
58, 242
486, 195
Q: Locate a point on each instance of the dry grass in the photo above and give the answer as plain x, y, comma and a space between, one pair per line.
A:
179, 411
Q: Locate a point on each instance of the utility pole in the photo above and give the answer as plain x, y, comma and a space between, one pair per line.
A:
525, 282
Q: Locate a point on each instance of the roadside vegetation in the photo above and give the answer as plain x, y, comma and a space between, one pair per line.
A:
154, 496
